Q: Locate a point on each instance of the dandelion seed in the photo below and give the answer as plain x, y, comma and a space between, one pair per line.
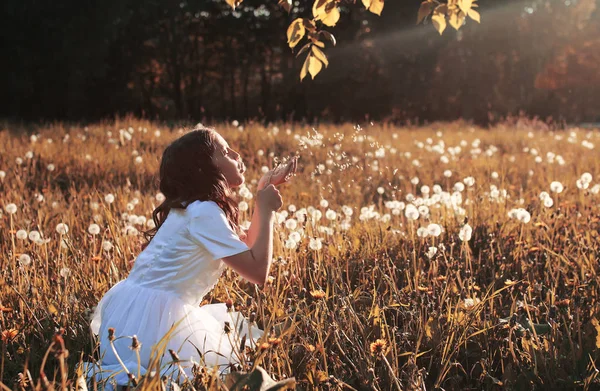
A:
581, 184
109, 198
50, 167
459, 187
380, 190
62, 228
18, 161
65, 272
24, 260
94, 229
544, 195
495, 175
11, 209
21, 234
138, 160
431, 252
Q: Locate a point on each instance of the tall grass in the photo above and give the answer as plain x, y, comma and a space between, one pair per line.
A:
361, 301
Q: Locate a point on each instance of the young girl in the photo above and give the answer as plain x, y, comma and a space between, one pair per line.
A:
196, 234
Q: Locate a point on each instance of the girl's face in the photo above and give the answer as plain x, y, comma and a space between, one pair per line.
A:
228, 162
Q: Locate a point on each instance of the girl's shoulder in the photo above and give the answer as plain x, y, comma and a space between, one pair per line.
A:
203, 208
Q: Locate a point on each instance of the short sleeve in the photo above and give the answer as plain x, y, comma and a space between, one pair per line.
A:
208, 227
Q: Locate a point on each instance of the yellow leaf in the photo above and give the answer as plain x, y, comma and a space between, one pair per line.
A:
52, 309
376, 7
474, 15
457, 19
234, 3
428, 332
319, 8
320, 55
597, 327
304, 69
439, 22
331, 18
424, 10
465, 5
286, 5
366, 3
295, 32
314, 66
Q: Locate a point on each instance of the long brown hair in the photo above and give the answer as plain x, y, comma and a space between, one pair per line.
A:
188, 174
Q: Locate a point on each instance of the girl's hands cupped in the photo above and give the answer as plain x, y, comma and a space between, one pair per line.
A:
280, 174
269, 199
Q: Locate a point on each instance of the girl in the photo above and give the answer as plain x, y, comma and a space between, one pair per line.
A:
196, 234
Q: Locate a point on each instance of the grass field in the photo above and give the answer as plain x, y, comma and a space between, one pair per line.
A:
406, 258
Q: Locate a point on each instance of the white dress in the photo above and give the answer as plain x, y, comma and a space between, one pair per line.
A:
166, 285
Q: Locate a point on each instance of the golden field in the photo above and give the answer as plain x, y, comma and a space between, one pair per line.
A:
437, 257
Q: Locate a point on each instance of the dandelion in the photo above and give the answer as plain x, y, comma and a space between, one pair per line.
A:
18, 161
330, 214
459, 187
414, 181
347, 210
290, 244
11, 209
378, 347
494, 175
2, 175
21, 234
107, 246
62, 228
431, 252
447, 173
94, 229
548, 202
469, 181
380, 190
324, 203
434, 230
160, 197
544, 195
34, 236
556, 187
65, 272
109, 198
291, 224
243, 206
581, 184
586, 177
411, 212
465, 233
138, 160
315, 244
519, 214
422, 232
50, 167
24, 260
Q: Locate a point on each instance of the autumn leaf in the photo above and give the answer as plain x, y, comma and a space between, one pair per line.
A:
474, 15
465, 5
596, 325
331, 18
457, 19
439, 22
318, 53
424, 10
286, 5
376, 7
304, 70
314, 66
295, 32
318, 8
328, 36
234, 3
366, 3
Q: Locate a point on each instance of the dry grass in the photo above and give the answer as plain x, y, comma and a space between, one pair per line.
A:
375, 308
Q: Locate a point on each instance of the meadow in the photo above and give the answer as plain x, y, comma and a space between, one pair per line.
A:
443, 256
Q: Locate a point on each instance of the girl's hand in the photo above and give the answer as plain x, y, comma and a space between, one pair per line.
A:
269, 199
280, 174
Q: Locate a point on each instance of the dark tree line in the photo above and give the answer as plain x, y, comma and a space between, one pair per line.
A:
77, 59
